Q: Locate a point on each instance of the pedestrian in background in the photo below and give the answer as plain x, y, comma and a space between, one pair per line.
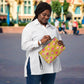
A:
37, 33
70, 25
57, 24
63, 27
75, 26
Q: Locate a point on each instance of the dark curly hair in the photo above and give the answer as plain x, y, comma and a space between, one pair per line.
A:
42, 6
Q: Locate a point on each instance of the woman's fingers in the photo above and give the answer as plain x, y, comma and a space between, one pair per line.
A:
47, 37
44, 40
60, 43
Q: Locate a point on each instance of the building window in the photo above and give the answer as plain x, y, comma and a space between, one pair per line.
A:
27, 7
6, 9
29, 2
19, 9
29, 10
77, 10
25, 2
3, 7
79, 18
75, 18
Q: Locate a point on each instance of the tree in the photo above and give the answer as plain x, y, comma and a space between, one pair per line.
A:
65, 7
56, 7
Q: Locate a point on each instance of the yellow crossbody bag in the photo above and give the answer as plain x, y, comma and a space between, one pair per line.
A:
50, 52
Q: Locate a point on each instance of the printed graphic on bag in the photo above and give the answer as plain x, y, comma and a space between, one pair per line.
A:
51, 51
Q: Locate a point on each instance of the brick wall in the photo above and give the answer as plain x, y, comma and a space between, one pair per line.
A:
11, 29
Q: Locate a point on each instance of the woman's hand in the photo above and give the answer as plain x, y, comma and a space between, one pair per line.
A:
45, 39
60, 42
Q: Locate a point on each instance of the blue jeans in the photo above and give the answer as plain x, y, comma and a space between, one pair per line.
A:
37, 79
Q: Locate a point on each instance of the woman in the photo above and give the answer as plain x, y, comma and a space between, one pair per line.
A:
63, 27
35, 34
57, 24
75, 27
70, 25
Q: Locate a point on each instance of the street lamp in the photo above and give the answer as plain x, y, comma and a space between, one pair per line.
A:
17, 14
8, 15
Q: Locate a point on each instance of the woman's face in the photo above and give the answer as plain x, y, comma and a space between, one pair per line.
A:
44, 16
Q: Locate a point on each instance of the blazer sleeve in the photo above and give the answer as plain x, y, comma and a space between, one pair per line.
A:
26, 40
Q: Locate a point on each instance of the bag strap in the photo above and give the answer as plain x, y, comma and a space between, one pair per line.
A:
41, 65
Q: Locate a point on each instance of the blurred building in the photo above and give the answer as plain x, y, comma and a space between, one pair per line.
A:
76, 9
21, 9
24, 9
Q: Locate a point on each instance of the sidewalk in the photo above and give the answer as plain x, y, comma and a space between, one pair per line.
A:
12, 60
19, 29
81, 31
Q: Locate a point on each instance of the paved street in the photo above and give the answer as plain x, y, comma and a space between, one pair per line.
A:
12, 60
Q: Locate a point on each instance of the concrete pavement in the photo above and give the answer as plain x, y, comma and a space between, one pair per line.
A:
12, 60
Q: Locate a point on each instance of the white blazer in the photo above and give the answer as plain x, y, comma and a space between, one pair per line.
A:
32, 33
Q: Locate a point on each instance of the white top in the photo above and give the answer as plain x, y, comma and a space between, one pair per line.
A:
32, 33
70, 25
56, 23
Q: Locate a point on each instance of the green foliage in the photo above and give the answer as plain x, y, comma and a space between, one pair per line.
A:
11, 23
65, 23
56, 7
65, 7
52, 23
3, 24
79, 25
59, 24
22, 24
